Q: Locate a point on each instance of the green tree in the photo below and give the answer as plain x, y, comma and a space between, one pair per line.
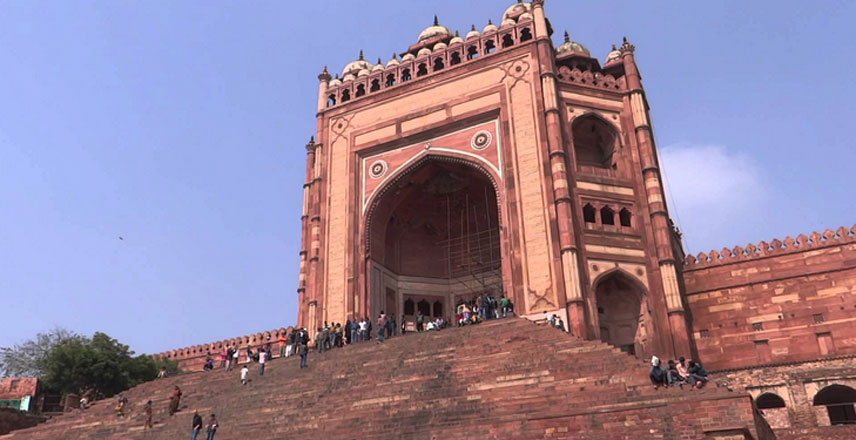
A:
26, 359
100, 365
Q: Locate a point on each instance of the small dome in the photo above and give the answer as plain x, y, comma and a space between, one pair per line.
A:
348, 77
434, 30
408, 57
378, 66
360, 63
508, 22
334, 82
456, 39
516, 9
392, 61
439, 46
572, 46
473, 33
524, 17
363, 72
613, 55
424, 51
489, 28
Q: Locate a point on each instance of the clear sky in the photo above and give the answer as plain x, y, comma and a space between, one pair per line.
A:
180, 126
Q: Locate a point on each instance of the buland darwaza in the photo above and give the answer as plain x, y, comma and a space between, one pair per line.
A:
492, 163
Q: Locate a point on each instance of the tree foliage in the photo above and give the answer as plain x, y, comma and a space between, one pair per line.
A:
26, 359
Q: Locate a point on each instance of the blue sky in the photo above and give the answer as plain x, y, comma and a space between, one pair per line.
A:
180, 127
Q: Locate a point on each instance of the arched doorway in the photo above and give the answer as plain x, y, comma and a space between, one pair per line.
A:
620, 313
838, 400
433, 239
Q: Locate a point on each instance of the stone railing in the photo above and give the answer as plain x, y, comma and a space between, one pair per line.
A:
595, 80
774, 247
200, 351
408, 70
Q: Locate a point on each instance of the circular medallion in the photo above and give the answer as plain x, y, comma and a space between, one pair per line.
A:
378, 169
481, 140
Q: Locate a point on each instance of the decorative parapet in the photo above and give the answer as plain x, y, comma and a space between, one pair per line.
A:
595, 80
774, 247
442, 57
254, 341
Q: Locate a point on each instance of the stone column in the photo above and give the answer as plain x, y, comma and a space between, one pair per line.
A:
304, 235
655, 195
573, 298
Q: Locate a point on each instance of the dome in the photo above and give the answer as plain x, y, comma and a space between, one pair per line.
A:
348, 77
508, 22
424, 51
392, 61
613, 55
439, 46
572, 46
360, 63
434, 31
473, 33
489, 28
524, 17
456, 39
363, 72
407, 57
516, 9
334, 82
378, 66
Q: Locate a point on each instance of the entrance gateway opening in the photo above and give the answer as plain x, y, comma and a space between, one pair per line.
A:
434, 240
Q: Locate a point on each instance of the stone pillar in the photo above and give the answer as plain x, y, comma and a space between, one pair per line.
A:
573, 298
655, 195
324, 79
304, 235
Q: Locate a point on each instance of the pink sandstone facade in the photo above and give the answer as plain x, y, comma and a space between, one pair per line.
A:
494, 162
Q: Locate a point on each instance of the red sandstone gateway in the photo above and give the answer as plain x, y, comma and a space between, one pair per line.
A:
494, 163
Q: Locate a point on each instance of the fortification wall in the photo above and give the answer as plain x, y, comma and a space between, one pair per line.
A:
193, 358
783, 301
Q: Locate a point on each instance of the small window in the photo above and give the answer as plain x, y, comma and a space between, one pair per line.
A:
817, 318
422, 70
607, 216
390, 80
438, 64
361, 90
455, 59
769, 401
489, 47
438, 309
624, 217
704, 333
757, 326
375, 85
825, 344
405, 75
525, 35
507, 41
424, 307
331, 100
346, 95
409, 307
588, 213
600, 311
472, 53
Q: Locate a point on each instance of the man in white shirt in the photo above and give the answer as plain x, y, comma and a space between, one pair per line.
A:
244, 373
262, 357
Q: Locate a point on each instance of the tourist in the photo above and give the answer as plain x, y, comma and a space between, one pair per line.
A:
174, 400
262, 358
381, 326
196, 425
560, 324
282, 341
269, 349
162, 373
682, 369
364, 328
391, 325
368, 328
419, 321
249, 354
120, 405
289, 347
503, 304
697, 375
147, 410
211, 428
657, 375
236, 354
229, 353
403, 325
319, 340
325, 339
209, 363
83, 402
245, 372
355, 332
673, 376
348, 332
223, 356
302, 352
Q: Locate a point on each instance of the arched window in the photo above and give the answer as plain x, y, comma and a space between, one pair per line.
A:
361, 90
438, 64
588, 213
472, 53
525, 35
331, 100
405, 75
424, 307
455, 59
438, 309
624, 217
838, 400
375, 85
409, 307
594, 142
507, 41
769, 401
346, 95
422, 70
621, 314
607, 216
489, 47
390, 80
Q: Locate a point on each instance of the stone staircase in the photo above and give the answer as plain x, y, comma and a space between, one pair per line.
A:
504, 379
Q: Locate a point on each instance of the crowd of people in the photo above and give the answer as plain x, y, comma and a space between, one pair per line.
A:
677, 373
483, 308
